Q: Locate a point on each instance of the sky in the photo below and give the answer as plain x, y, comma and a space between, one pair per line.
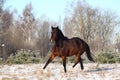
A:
112, 5
55, 9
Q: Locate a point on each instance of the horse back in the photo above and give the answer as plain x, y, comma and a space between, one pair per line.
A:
77, 43
70, 47
74, 46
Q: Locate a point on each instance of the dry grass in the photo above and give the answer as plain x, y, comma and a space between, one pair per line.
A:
55, 71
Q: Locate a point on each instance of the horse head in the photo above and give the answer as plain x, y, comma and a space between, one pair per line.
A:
56, 34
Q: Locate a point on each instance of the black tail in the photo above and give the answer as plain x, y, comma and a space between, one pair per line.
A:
89, 54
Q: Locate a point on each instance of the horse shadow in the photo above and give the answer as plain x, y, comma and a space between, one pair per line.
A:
100, 69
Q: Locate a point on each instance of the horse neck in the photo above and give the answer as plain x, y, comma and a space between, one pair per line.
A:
61, 38
59, 42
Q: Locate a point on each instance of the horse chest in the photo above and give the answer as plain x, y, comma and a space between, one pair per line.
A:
59, 52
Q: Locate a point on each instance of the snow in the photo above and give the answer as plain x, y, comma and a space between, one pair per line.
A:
55, 71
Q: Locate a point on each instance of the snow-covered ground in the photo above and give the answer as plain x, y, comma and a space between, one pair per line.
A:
55, 71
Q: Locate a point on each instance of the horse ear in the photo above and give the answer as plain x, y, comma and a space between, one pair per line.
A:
51, 27
57, 27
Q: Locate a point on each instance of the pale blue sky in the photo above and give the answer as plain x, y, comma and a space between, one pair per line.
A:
112, 5
54, 9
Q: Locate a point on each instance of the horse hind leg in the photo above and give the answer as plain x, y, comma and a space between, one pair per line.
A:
81, 64
75, 64
77, 60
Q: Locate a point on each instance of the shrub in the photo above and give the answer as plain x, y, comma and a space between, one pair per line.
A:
71, 59
108, 56
23, 57
1, 61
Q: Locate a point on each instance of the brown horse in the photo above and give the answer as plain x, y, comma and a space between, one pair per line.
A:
64, 47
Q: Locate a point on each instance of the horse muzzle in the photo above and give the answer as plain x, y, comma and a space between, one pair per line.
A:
51, 40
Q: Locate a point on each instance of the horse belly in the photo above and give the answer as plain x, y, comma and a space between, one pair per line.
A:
71, 53
60, 52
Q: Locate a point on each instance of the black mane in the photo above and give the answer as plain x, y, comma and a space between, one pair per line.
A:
61, 35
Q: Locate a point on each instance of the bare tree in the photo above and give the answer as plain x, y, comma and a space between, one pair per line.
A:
5, 22
91, 24
28, 25
43, 37
117, 42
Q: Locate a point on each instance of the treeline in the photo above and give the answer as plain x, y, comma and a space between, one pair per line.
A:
94, 25
25, 32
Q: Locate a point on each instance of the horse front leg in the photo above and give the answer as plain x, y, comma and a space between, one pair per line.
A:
49, 60
64, 63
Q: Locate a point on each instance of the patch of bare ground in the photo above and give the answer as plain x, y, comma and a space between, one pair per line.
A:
55, 71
